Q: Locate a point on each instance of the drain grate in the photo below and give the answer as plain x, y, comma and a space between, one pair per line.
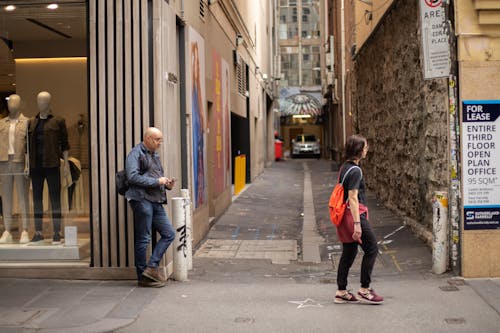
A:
448, 288
455, 321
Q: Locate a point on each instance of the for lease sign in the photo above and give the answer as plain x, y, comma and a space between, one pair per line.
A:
481, 164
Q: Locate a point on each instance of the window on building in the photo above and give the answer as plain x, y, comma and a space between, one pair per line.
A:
289, 27
289, 65
310, 19
311, 63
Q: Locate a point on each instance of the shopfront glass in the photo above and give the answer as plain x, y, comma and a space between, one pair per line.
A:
44, 164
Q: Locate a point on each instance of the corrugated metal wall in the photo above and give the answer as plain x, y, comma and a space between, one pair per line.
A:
119, 88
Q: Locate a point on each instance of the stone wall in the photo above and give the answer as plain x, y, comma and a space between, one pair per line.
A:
404, 118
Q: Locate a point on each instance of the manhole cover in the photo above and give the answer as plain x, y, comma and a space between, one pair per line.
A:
455, 321
244, 320
448, 288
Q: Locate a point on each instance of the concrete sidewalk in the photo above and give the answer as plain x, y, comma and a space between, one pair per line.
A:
228, 294
28, 305
249, 296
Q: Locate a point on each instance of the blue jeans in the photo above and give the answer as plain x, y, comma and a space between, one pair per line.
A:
146, 215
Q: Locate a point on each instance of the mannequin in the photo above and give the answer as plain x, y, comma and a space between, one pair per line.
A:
48, 142
13, 130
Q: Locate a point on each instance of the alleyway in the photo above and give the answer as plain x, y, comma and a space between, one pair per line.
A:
270, 213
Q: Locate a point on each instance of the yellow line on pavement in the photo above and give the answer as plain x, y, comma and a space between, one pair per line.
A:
393, 257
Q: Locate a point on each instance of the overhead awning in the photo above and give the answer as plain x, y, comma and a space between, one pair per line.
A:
300, 104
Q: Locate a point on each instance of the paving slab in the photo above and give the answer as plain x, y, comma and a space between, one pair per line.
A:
278, 251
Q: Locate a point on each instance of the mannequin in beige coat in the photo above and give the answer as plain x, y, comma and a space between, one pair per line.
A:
13, 132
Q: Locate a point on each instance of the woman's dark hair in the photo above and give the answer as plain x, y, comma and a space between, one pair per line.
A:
354, 147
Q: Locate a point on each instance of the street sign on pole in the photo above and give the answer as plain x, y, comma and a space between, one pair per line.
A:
435, 41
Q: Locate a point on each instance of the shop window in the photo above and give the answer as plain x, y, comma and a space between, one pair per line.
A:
44, 166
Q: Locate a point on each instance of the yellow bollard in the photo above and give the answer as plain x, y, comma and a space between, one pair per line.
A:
239, 173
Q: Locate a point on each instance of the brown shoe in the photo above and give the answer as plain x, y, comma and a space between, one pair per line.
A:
148, 283
154, 274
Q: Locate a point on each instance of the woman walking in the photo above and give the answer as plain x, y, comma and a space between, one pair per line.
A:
356, 213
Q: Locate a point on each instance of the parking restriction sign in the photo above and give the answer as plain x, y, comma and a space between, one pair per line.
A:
435, 41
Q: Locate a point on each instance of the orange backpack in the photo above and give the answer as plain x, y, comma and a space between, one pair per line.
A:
337, 204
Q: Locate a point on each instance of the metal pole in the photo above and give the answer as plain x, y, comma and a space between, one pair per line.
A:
180, 241
189, 227
440, 232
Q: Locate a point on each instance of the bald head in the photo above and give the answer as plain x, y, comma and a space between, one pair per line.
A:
153, 138
151, 131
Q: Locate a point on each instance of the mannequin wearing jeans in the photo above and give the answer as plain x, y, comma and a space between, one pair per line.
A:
48, 142
13, 130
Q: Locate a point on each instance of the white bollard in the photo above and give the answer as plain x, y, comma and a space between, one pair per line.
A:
440, 232
180, 241
189, 227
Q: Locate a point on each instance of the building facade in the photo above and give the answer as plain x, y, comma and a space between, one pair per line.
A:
301, 64
194, 69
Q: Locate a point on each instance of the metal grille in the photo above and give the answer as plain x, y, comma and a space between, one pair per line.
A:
203, 8
241, 77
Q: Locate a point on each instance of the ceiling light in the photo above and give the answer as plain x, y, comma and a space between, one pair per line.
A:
10, 8
53, 6
301, 116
